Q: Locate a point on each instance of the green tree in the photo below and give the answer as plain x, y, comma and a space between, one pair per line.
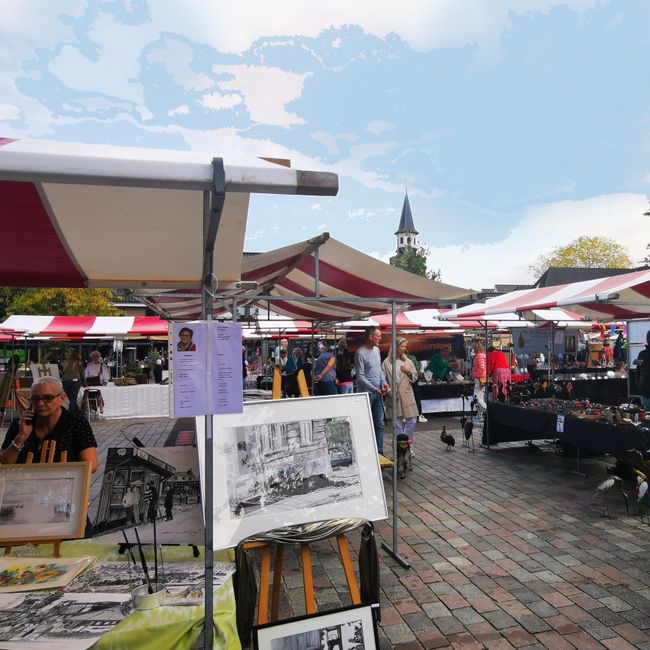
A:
414, 260
7, 295
585, 252
64, 302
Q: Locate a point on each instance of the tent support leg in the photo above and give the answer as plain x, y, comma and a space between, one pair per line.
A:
212, 208
393, 551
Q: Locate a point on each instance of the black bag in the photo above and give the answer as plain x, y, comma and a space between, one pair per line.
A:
93, 381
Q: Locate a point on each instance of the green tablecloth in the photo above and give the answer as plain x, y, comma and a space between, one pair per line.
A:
165, 628
176, 628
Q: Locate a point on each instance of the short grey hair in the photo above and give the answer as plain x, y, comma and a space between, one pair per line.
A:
42, 381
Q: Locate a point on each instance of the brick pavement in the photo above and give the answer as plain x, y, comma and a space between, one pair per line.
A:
506, 551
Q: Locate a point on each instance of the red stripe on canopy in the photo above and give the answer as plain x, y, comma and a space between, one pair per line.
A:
45, 261
68, 325
149, 326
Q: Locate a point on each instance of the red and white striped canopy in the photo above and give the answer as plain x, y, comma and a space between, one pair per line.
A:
87, 326
96, 216
616, 297
352, 285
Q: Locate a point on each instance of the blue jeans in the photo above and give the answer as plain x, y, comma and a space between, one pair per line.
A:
377, 410
326, 388
345, 389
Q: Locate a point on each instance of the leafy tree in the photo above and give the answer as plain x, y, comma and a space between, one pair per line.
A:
7, 295
64, 302
585, 252
414, 260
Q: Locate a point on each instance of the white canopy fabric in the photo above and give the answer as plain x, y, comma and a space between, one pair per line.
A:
612, 298
351, 285
87, 326
97, 216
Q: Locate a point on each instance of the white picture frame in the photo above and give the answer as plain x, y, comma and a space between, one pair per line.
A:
292, 461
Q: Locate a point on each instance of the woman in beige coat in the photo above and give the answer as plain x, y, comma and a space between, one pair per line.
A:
407, 409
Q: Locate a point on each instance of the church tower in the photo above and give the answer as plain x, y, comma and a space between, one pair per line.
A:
406, 234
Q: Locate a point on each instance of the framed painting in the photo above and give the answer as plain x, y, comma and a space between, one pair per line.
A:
43, 501
350, 628
293, 461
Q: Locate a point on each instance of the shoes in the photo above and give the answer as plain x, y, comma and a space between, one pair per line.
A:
422, 418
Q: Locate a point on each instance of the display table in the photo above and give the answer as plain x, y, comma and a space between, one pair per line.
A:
511, 423
445, 397
139, 401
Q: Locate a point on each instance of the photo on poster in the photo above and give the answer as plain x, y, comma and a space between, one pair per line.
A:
144, 484
351, 628
292, 462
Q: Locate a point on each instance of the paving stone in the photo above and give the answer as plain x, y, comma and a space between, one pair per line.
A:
400, 633
417, 621
597, 630
499, 619
542, 608
435, 610
449, 625
467, 615
533, 623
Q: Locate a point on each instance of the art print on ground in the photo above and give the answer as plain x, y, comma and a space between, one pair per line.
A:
293, 461
349, 628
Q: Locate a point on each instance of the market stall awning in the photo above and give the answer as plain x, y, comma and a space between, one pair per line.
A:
339, 282
79, 215
83, 326
616, 297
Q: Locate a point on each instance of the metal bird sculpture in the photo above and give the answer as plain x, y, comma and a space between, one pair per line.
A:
447, 438
604, 488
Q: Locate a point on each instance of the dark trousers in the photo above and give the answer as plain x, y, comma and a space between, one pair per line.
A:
416, 394
72, 388
326, 388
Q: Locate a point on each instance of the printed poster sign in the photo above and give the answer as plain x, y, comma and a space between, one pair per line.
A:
206, 368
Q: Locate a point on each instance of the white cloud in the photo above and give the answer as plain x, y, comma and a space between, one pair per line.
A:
9, 112
183, 109
266, 91
321, 227
315, 206
218, 101
360, 214
329, 140
377, 127
544, 227
177, 57
424, 24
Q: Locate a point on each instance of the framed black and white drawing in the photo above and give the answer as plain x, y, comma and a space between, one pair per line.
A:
43, 501
293, 461
350, 628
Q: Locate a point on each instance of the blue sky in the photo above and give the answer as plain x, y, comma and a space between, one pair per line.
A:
517, 125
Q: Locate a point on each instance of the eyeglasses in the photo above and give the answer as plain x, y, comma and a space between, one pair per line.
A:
35, 399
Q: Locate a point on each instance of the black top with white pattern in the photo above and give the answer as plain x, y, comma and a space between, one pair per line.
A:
72, 433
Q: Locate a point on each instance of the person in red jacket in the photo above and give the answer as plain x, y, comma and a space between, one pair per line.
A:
498, 370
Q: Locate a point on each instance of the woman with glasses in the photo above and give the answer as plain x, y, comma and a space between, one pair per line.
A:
47, 419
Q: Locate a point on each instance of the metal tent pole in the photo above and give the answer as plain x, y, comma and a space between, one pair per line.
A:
212, 209
392, 551
487, 403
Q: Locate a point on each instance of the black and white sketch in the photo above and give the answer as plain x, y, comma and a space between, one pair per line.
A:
351, 628
122, 577
72, 620
293, 461
151, 483
279, 464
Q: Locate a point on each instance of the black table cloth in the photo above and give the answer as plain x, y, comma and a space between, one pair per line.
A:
510, 423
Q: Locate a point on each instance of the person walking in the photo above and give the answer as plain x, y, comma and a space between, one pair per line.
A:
151, 497
73, 378
344, 367
325, 369
370, 379
169, 503
406, 375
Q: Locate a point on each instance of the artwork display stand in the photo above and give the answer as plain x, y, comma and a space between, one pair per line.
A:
305, 555
47, 457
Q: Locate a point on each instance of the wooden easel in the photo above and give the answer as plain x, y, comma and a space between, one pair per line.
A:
305, 552
47, 457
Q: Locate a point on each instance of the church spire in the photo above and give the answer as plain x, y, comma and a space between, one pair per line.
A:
406, 233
